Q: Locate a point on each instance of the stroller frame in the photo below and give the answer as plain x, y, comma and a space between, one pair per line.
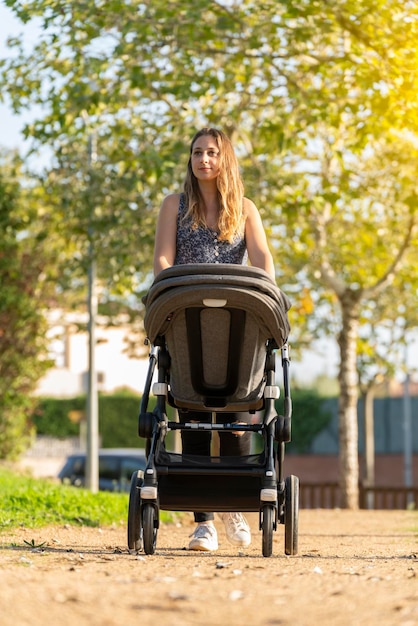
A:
179, 482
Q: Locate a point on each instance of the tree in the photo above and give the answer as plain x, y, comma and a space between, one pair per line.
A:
320, 99
24, 290
382, 347
381, 214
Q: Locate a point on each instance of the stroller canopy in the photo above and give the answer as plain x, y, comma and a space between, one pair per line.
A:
216, 320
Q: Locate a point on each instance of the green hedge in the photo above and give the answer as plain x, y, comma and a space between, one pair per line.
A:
118, 418
308, 419
52, 416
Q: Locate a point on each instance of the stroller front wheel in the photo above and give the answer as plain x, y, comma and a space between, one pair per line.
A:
268, 517
149, 528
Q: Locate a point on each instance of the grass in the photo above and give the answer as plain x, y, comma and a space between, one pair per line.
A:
33, 503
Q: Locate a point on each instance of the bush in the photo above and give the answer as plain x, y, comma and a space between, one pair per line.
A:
25, 288
118, 418
118, 421
308, 419
52, 416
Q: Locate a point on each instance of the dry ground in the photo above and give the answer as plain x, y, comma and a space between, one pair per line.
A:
353, 568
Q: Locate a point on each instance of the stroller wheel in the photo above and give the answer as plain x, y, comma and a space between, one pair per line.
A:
268, 517
291, 515
149, 527
134, 521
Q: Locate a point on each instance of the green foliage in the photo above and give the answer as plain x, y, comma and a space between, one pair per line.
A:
118, 415
308, 419
52, 416
118, 420
24, 289
310, 92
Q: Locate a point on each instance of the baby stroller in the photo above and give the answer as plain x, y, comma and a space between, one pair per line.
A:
214, 330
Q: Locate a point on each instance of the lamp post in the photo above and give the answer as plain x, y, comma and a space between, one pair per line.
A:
92, 465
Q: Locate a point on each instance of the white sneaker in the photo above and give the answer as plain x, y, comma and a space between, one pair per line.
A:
237, 529
204, 538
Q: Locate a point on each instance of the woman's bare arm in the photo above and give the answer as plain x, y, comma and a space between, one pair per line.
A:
258, 250
165, 235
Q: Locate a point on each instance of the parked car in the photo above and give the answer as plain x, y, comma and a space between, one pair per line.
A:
116, 466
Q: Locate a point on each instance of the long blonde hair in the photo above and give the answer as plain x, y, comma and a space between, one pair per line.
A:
230, 189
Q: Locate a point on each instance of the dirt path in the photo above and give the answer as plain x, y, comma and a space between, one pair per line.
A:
353, 568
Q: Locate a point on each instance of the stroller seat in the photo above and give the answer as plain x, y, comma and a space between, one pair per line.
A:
214, 330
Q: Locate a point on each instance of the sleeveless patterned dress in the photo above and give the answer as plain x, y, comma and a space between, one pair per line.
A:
201, 244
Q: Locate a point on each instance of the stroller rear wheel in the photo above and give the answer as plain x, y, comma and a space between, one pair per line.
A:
268, 518
149, 528
291, 515
134, 516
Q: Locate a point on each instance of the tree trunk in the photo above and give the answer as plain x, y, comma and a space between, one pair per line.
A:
369, 455
347, 406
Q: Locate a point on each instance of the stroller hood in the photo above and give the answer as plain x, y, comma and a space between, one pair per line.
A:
216, 320
242, 286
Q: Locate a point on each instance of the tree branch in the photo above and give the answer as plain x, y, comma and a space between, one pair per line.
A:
328, 275
389, 275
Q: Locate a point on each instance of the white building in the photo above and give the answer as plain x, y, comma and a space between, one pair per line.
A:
116, 369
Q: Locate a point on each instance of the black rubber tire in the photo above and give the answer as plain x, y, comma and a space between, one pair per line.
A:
291, 515
149, 528
267, 528
134, 513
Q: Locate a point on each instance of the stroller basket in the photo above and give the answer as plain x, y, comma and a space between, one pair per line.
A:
193, 483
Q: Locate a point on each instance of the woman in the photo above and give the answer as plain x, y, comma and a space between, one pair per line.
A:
212, 222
